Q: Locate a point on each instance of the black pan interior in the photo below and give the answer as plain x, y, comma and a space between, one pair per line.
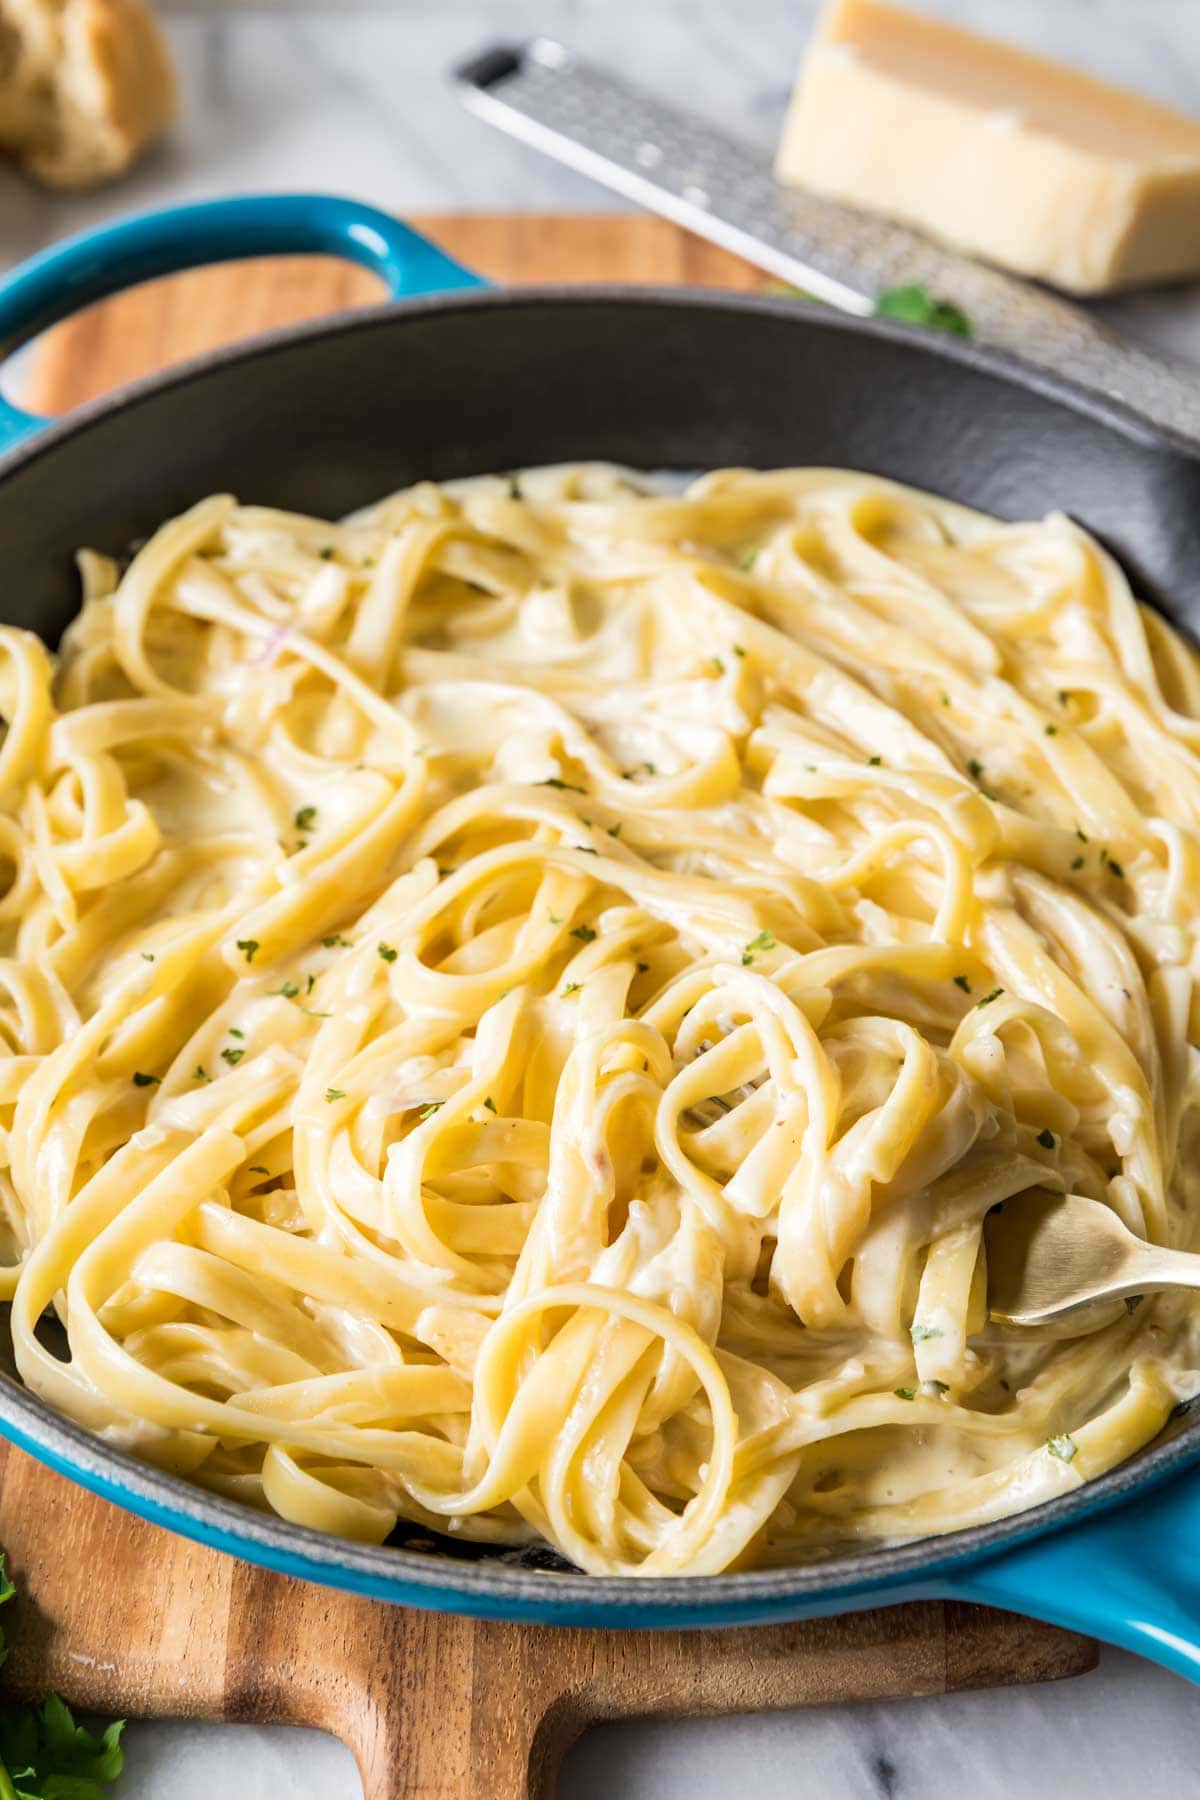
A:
326, 419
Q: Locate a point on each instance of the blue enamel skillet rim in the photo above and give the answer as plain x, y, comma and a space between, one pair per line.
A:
1112, 1558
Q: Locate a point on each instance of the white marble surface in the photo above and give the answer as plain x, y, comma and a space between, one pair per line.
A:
351, 97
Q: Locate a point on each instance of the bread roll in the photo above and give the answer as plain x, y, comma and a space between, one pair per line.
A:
84, 85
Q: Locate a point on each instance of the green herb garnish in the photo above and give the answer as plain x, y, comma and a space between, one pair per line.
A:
1077, 862
139, 1080
873, 762
232, 1057
921, 1334
387, 953
988, 998
326, 552
1064, 1447
572, 987
428, 1111
1046, 1139
248, 948
584, 933
1052, 731
332, 1094
567, 787
915, 305
489, 1103
962, 982
748, 561
335, 939
764, 941
905, 1393
306, 818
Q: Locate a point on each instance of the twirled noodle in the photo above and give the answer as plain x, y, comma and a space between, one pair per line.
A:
516, 1007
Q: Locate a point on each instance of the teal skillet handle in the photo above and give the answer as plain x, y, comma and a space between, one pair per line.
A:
87, 267
1129, 1576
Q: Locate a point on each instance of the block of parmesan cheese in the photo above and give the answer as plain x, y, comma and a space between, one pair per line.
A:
999, 153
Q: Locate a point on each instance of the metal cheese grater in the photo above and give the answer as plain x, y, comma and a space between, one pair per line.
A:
677, 165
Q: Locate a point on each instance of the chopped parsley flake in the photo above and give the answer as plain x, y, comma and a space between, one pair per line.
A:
650, 768
555, 918
615, 830
643, 968
1064, 699
310, 982
141, 1080
386, 952
489, 1103
1077, 862
1133, 1301
147, 956
514, 487
1116, 868
1081, 835
326, 552
905, 1393
572, 987
334, 939
586, 848
739, 650
1064, 1447
584, 933
748, 561
1052, 731
962, 982
935, 1387
566, 787
988, 998
716, 665
201, 1073
1046, 1139
428, 1111
258, 1169
921, 1334
248, 947
764, 941
306, 818
232, 1056
975, 768
332, 1094
288, 991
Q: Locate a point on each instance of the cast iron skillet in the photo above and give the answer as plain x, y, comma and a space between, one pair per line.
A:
330, 416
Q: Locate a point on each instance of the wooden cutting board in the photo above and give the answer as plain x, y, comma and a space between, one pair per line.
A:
125, 1618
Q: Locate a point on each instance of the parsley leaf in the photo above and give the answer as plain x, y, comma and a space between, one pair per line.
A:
141, 1080
1046, 1139
334, 939
905, 1393
921, 1334
489, 1103
427, 1112
584, 933
306, 818
988, 998
232, 1057
332, 1094
565, 787
388, 954
1064, 1447
915, 305
248, 946
962, 982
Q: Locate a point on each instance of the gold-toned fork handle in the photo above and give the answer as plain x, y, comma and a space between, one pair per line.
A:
1148, 1269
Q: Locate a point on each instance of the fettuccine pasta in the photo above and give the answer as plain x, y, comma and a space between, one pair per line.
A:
515, 1008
